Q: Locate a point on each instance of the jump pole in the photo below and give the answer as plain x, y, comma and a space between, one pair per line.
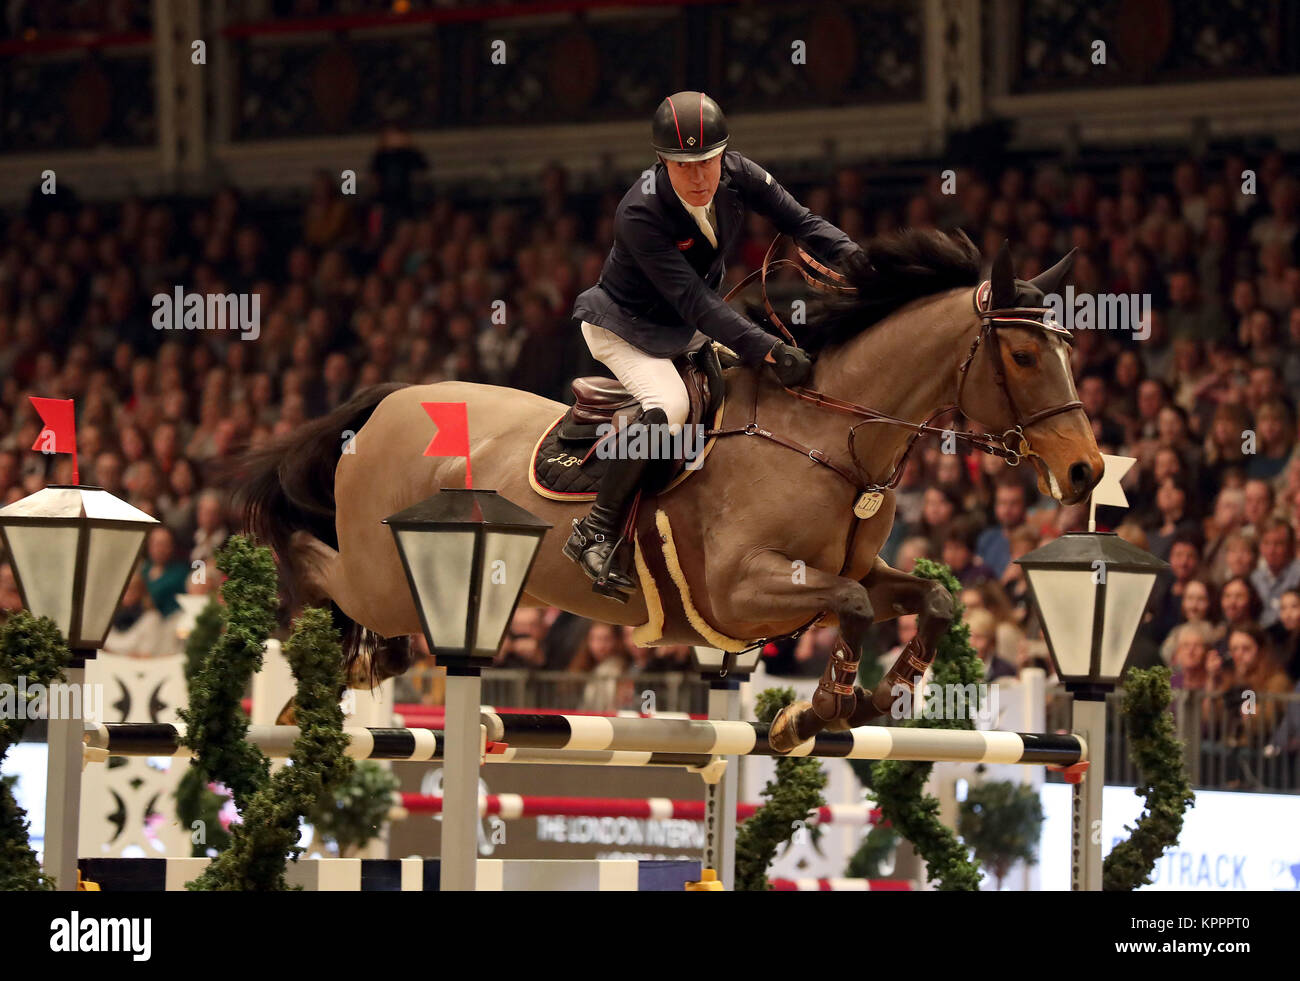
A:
516, 806
564, 739
730, 738
394, 745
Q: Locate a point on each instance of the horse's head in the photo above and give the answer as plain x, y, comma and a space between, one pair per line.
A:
1019, 376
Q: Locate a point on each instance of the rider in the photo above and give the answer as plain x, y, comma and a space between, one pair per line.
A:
657, 295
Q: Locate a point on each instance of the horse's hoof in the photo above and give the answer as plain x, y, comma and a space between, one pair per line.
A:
782, 735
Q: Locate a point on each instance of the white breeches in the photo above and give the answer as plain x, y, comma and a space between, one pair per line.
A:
653, 381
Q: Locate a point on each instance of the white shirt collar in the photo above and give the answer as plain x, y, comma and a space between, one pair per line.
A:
699, 210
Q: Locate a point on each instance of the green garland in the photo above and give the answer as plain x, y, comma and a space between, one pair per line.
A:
215, 721
789, 798
197, 805
899, 784
321, 782
269, 832
1162, 773
32, 649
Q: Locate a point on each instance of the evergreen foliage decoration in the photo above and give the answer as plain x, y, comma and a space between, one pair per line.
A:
198, 806
1162, 780
357, 809
899, 784
788, 799
215, 722
1001, 822
319, 766
34, 650
877, 845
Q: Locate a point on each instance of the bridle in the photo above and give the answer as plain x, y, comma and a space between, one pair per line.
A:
1012, 446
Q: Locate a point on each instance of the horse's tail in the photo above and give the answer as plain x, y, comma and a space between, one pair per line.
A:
287, 486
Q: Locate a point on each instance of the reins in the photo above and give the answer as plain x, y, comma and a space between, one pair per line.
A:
1012, 446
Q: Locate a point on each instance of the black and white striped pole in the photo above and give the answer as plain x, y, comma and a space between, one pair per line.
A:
1091, 589
467, 554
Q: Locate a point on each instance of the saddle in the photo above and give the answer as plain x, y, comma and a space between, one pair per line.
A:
567, 462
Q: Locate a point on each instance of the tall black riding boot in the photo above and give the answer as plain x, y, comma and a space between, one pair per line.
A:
596, 539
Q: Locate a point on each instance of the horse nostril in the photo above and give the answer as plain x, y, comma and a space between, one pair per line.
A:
1081, 474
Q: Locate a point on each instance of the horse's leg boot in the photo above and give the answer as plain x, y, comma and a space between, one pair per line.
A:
912, 663
833, 703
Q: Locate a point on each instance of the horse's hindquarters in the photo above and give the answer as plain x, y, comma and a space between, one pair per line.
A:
388, 472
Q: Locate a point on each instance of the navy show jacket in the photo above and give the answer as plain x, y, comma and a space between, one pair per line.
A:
659, 283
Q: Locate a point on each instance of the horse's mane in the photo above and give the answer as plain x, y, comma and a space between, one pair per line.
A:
890, 272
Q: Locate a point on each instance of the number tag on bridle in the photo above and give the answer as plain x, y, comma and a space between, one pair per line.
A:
868, 504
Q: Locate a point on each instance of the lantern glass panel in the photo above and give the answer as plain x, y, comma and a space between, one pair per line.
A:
1066, 601
109, 560
440, 563
506, 556
1126, 598
45, 557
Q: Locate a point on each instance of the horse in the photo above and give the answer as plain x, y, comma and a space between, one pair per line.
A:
913, 334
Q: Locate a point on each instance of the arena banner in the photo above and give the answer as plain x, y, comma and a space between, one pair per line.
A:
1230, 841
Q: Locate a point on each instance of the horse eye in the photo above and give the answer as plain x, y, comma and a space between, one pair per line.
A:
1023, 358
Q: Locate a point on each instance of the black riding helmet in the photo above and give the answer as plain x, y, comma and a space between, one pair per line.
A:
688, 126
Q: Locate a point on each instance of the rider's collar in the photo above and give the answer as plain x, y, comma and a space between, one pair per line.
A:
693, 209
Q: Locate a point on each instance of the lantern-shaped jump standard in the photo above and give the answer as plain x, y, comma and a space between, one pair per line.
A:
72, 549
467, 554
1091, 589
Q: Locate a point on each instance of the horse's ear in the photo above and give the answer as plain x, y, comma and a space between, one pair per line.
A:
1002, 280
1049, 280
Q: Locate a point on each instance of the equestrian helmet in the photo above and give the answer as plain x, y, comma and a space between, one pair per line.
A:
688, 126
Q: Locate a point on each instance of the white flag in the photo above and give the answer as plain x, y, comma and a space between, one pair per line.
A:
1108, 491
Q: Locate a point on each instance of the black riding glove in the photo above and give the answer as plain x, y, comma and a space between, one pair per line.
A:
792, 365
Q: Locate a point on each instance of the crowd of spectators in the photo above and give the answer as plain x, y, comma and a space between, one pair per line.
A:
1200, 387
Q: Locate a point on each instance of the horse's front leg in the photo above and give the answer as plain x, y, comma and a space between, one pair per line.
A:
768, 593
895, 593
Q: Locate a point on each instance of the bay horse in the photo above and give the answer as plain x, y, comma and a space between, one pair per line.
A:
915, 334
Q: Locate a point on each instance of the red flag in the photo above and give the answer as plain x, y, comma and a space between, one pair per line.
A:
452, 438
59, 417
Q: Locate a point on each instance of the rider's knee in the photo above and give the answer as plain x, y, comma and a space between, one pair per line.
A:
654, 417
675, 408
